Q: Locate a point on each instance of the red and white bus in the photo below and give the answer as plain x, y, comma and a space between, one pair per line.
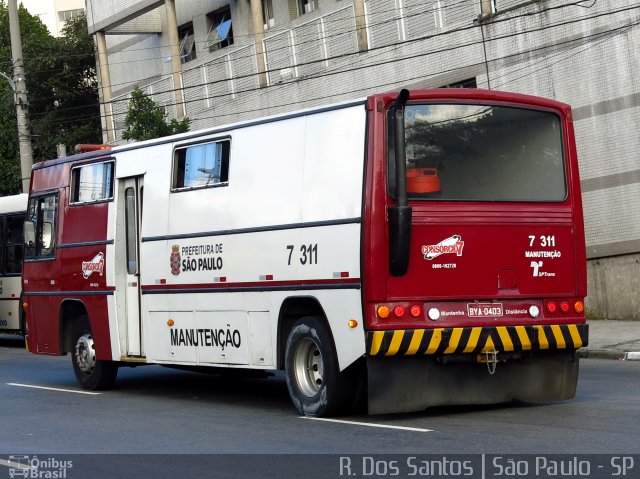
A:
12, 210
414, 249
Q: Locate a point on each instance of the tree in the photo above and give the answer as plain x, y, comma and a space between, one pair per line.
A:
61, 88
35, 42
145, 120
77, 107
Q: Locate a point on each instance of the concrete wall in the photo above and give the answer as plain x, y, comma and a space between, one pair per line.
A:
590, 60
613, 285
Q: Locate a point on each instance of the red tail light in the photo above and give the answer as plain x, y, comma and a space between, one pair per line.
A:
564, 307
415, 311
552, 307
399, 311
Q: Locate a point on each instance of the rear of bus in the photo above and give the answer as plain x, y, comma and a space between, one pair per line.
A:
474, 257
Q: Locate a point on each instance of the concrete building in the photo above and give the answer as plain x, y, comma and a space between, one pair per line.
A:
54, 13
220, 61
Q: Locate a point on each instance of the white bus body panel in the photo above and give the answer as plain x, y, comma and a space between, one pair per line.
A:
289, 219
13, 204
11, 286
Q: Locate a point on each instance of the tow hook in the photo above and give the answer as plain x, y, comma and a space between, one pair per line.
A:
490, 358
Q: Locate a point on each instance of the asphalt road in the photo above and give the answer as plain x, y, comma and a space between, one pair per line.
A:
155, 413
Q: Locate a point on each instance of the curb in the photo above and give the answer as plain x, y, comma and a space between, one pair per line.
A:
601, 354
609, 354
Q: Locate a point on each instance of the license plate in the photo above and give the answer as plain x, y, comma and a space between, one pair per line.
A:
484, 310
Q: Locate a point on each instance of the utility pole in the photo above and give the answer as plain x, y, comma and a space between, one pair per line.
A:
257, 19
105, 83
22, 106
176, 62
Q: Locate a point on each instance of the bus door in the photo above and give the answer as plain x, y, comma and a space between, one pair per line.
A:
130, 218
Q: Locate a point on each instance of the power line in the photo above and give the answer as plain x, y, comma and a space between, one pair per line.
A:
401, 16
397, 18
614, 32
458, 5
407, 42
340, 70
421, 77
394, 60
581, 41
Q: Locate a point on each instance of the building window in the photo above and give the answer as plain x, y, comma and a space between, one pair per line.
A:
220, 29
468, 83
204, 164
65, 15
267, 13
306, 6
92, 182
40, 227
187, 43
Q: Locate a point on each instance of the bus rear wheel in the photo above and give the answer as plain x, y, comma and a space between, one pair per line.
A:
91, 373
316, 386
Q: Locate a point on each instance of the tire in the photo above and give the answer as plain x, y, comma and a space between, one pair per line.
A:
316, 386
92, 374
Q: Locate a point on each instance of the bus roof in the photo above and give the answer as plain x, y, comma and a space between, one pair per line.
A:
14, 203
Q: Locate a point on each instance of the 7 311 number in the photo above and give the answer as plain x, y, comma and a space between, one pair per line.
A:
308, 254
545, 241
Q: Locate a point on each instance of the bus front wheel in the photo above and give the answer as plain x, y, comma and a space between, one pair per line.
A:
316, 386
91, 373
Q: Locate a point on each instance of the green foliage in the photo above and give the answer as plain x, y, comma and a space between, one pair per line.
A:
61, 90
145, 120
76, 87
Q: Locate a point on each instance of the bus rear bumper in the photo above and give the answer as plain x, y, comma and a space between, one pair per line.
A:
415, 383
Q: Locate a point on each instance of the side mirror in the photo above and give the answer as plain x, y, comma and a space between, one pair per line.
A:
29, 234
47, 235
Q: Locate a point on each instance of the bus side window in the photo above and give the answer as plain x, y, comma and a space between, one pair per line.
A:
201, 165
40, 227
2, 266
14, 244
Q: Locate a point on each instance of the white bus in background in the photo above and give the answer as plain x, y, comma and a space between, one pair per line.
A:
12, 215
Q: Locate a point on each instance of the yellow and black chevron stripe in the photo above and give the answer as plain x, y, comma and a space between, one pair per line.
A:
441, 341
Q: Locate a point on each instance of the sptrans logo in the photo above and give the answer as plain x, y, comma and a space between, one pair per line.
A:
451, 245
96, 265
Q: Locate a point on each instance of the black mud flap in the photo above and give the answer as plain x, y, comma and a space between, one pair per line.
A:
410, 384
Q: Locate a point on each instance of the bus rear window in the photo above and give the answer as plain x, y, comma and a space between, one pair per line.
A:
476, 152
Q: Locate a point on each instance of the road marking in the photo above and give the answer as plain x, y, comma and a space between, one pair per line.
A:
52, 389
368, 424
